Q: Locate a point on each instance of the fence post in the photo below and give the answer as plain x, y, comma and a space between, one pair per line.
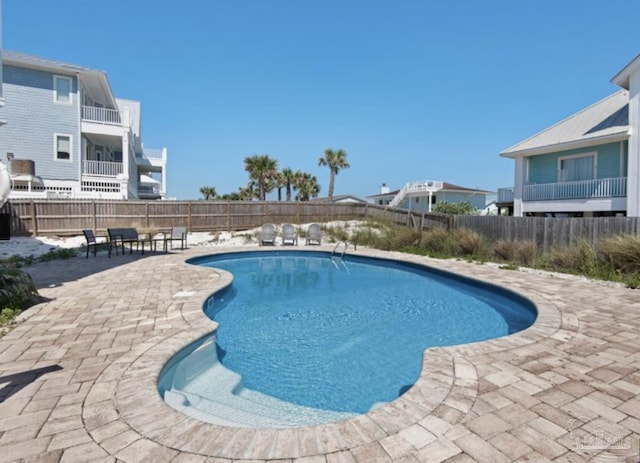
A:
451, 223
189, 216
95, 216
34, 219
229, 216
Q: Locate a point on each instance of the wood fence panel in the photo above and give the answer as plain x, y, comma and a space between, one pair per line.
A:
67, 217
549, 232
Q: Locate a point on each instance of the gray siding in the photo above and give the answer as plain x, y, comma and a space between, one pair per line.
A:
33, 118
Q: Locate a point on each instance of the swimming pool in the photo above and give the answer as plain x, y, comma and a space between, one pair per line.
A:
305, 339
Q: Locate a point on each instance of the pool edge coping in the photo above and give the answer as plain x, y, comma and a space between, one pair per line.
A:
448, 379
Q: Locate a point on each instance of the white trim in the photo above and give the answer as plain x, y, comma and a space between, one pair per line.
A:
586, 143
55, 90
55, 147
576, 205
593, 154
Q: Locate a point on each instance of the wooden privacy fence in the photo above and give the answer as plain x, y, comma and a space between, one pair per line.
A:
65, 217
549, 232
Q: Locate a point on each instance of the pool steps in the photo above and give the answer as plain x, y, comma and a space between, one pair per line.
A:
233, 405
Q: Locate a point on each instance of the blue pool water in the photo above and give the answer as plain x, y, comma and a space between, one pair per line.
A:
331, 336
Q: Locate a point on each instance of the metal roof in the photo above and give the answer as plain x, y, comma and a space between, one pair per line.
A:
44, 63
622, 77
603, 122
94, 80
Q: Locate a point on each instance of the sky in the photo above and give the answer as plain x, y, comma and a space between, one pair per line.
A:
412, 90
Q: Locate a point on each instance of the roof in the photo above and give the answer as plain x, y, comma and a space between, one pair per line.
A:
622, 77
340, 198
33, 61
603, 122
93, 79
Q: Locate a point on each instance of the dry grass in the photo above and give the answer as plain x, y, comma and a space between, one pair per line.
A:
622, 252
470, 243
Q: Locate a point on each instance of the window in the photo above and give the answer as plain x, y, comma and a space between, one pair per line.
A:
576, 168
62, 89
62, 147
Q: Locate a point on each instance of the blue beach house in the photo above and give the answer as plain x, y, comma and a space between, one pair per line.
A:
422, 196
587, 165
68, 136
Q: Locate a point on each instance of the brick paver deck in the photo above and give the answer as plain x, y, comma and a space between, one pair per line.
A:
78, 377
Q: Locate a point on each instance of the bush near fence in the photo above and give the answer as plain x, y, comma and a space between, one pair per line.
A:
68, 217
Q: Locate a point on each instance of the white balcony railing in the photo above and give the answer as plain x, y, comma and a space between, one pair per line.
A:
584, 189
101, 168
505, 195
148, 190
101, 115
415, 187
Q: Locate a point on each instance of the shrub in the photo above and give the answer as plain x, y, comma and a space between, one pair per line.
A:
505, 250
622, 252
461, 208
366, 237
526, 253
17, 290
470, 243
578, 258
439, 242
404, 237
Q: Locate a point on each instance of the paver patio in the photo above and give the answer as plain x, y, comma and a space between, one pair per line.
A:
78, 376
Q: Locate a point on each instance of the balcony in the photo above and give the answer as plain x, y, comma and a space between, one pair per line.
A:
505, 195
584, 189
101, 115
148, 192
101, 168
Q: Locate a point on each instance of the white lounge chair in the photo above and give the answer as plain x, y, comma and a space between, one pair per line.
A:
267, 234
314, 234
289, 234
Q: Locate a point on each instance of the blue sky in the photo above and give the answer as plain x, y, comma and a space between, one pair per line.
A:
411, 90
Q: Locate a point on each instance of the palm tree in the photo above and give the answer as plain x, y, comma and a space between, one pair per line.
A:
208, 192
234, 196
336, 160
279, 184
247, 193
289, 179
261, 169
307, 186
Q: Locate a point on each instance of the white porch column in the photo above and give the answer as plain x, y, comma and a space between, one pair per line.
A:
124, 182
518, 186
633, 166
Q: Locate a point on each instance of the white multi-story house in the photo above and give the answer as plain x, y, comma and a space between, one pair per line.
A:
68, 136
586, 165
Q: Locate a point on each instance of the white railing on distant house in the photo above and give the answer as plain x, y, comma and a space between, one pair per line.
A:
152, 153
505, 195
583, 189
88, 186
102, 168
415, 187
148, 190
101, 115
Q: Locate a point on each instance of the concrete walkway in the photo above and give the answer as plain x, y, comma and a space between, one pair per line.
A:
78, 377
